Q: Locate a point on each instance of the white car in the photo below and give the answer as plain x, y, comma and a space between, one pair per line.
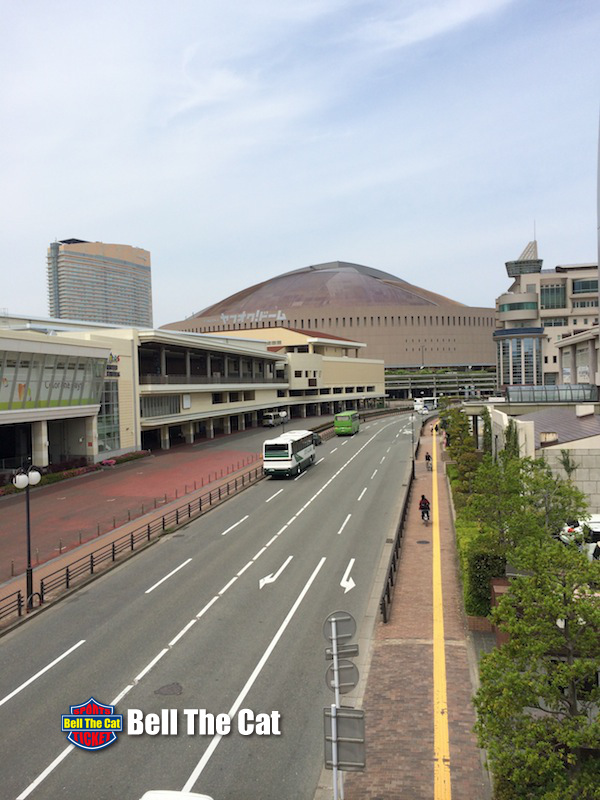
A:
164, 794
586, 534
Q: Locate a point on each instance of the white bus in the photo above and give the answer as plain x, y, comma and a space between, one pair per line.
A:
289, 453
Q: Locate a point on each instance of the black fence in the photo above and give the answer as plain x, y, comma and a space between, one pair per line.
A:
100, 558
12, 604
390, 579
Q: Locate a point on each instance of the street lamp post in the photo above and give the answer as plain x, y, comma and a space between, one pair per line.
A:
23, 479
412, 443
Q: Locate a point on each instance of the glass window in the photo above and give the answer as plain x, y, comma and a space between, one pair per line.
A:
584, 286
517, 370
553, 295
518, 307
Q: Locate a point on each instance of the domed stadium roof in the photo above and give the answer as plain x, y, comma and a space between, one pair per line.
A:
336, 283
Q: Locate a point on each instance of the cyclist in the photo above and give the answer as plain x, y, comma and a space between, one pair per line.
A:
428, 462
424, 508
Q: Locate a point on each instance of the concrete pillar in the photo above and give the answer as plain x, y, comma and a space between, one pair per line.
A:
208, 366
593, 360
91, 438
188, 432
225, 365
573, 350
188, 365
303, 411
165, 440
332, 408
227, 425
560, 364
254, 419
210, 429
241, 422
163, 361
39, 442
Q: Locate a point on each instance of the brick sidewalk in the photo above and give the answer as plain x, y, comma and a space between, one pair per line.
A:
399, 696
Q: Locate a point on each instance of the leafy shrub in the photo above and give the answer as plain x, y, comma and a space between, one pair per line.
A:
478, 566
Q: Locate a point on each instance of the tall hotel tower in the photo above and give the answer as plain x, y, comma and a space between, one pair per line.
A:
96, 282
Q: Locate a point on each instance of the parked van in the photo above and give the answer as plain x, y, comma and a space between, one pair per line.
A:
272, 418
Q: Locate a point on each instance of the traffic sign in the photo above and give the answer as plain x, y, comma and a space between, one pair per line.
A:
347, 673
350, 739
345, 625
348, 650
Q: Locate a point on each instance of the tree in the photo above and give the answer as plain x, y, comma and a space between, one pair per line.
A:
539, 699
487, 444
511, 440
519, 499
567, 463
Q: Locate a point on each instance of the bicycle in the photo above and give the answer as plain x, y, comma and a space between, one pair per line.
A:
429, 466
425, 516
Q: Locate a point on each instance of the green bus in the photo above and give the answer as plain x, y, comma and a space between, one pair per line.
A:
346, 423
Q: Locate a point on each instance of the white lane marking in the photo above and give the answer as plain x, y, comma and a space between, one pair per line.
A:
344, 523
271, 540
260, 552
347, 583
334, 449
207, 606
273, 495
243, 569
149, 666
43, 775
360, 496
319, 461
388, 450
273, 577
251, 680
235, 525
121, 695
162, 580
299, 476
41, 672
382, 460
343, 443
181, 633
227, 585
373, 475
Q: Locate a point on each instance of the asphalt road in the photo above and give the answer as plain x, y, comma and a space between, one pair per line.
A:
192, 623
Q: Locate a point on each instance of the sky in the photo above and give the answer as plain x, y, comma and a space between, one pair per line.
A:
240, 140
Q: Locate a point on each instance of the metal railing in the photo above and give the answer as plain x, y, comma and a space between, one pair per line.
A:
67, 576
390, 579
12, 604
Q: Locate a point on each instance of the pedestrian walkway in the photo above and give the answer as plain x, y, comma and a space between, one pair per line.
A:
418, 711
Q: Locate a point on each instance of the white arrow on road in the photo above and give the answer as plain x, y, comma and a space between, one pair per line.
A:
347, 583
272, 578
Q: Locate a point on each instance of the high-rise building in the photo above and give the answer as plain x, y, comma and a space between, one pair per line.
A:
97, 282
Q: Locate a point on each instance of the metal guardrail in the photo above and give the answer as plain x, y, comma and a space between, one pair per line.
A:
11, 604
390, 580
66, 577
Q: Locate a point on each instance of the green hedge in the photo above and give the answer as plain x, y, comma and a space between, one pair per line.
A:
478, 566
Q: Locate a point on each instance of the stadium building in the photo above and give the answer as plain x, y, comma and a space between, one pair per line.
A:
402, 324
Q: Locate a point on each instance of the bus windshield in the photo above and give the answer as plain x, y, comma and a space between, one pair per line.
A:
276, 449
